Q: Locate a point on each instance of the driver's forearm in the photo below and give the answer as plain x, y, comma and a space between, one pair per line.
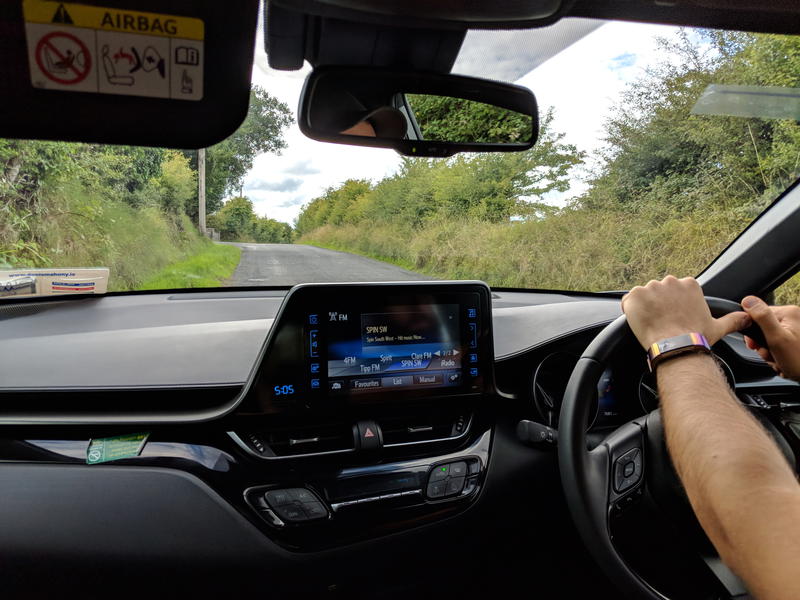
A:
733, 472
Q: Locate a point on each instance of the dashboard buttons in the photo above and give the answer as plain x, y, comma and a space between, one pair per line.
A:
368, 435
471, 485
302, 495
437, 489
278, 498
454, 485
295, 505
290, 512
452, 479
628, 470
458, 469
432, 379
440, 472
314, 510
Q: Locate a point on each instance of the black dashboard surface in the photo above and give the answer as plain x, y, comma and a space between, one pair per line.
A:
151, 340
190, 510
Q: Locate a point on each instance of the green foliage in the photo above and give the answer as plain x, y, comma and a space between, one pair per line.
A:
270, 231
208, 268
491, 187
234, 219
229, 161
458, 120
176, 185
237, 221
658, 151
667, 194
88, 205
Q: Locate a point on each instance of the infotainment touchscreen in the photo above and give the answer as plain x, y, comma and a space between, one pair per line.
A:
368, 342
399, 347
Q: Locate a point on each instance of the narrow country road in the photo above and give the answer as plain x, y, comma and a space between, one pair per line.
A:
288, 264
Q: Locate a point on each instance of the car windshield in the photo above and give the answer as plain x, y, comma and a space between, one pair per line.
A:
658, 145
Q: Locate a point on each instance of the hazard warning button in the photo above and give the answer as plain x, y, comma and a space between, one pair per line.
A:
368, 435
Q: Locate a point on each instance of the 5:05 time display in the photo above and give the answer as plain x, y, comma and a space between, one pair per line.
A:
283, 390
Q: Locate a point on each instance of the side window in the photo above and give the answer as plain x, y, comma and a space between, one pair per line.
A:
788, 292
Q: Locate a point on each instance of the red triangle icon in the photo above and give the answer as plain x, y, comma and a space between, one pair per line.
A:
368, 433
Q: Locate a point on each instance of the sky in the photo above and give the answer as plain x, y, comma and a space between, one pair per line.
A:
583, 81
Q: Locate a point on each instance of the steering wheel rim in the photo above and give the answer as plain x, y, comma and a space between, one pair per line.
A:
586, 475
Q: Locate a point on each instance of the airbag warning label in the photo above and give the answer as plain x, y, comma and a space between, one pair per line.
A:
79, 48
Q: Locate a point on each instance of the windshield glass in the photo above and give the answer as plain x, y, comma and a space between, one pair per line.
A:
658, 145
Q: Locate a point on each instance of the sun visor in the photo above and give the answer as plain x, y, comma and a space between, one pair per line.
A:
151, 73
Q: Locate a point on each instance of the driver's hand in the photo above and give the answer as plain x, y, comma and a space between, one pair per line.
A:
670, 307
781, 327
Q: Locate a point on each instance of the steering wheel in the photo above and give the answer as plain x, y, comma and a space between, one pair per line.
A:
602, 480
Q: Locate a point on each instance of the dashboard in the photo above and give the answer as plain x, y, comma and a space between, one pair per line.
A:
347, 420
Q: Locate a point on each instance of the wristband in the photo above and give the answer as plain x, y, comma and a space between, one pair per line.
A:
675, 346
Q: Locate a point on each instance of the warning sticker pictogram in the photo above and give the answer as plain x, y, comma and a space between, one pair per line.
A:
80, 48
63, 58
62, 16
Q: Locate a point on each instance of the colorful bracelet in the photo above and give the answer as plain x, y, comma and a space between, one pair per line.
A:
674, 346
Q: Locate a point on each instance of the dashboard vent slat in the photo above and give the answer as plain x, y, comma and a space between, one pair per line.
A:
309, 440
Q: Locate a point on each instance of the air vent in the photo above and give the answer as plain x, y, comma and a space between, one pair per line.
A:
423, 427
300, 441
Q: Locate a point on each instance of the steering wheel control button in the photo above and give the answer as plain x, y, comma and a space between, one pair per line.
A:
628, 470
454, 485
437, 489
277, 498
474, 467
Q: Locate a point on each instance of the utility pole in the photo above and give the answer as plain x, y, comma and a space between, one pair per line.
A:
201, 189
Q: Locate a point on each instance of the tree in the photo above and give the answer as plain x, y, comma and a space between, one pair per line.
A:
270, 231
458, 120
229, 161
659, 152
176, 185
234, 218
487, 187
237, 221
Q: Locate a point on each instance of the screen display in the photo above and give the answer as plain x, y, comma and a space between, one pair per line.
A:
608, 406
337, 344
399, 347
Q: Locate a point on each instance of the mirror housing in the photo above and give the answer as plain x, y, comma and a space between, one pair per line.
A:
335, 98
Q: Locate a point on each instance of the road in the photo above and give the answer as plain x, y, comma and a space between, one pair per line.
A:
288, 264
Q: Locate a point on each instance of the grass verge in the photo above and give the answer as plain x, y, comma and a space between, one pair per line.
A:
206, 269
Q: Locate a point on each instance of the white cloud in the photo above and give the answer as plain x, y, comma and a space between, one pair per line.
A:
288, 184
583, 82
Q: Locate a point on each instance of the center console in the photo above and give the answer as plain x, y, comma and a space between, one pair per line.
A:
367, 409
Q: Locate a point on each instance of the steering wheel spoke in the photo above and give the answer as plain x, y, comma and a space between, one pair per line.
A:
625, 448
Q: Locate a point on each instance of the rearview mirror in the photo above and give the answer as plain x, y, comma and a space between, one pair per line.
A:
417, 114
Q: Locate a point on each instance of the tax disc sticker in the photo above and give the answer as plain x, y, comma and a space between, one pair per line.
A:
79, 48
115, 448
